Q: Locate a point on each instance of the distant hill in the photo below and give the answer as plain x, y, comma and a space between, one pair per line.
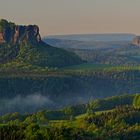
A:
113, 49
85, 45
23, 44
95, 37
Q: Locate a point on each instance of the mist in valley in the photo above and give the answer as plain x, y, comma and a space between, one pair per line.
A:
29, 103
35, 102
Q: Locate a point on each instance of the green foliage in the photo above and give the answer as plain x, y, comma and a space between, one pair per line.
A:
4, 24
122, 122
136, 101
39, 118
7, 53
111, 102
44, 55
40, 55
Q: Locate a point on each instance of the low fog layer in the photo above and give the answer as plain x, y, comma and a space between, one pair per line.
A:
34, 102
29, 103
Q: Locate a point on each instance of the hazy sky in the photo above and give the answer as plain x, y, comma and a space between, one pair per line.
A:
75, 16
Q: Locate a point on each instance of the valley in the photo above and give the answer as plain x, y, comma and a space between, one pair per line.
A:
82, 90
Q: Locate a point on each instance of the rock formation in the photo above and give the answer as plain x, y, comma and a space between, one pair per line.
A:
11, 33
136, 41
23, 44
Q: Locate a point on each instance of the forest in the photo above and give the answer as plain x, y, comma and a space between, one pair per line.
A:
87, 121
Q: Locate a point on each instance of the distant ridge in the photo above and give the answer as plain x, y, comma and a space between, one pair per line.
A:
95, 37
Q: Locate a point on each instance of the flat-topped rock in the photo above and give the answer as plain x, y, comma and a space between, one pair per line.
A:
11, 33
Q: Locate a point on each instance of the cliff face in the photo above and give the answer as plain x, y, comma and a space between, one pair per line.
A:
11, 33
23, 44
136, 41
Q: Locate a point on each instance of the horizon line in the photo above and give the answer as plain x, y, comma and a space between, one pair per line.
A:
71, 34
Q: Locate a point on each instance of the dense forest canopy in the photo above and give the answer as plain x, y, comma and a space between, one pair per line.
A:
88, 121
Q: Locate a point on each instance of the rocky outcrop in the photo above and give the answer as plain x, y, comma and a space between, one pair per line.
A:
136, 41
11, 33
2, 40
24, 45
26, 33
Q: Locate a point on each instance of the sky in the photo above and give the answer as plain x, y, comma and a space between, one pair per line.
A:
75, 16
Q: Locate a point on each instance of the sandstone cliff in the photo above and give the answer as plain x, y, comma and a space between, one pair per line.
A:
11, 33
136, 41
